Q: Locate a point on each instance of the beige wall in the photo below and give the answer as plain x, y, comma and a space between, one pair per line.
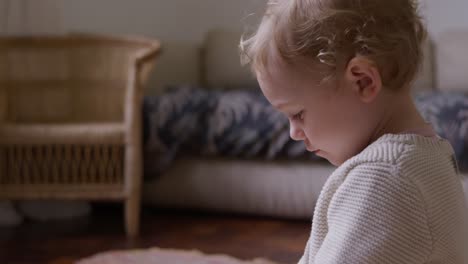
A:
187, 20
181, 24
175, 20
445, 15
25, 17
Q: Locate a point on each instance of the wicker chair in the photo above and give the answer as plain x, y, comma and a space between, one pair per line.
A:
70, 118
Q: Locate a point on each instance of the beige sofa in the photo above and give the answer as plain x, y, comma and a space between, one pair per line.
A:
286, 189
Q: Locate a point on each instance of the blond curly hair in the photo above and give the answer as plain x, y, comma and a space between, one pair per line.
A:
331, 32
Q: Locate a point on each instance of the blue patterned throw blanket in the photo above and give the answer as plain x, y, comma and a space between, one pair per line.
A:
241, 124
448, 114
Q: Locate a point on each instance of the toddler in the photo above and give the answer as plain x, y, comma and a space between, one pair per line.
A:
341, 70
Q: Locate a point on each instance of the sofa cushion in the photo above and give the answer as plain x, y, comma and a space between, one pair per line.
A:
448, 114
221, 61
179, 63
287, 189
236, 123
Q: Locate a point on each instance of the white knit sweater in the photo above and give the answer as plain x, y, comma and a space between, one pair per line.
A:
398, 201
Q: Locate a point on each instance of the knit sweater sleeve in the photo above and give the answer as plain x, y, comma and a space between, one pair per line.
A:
376, 216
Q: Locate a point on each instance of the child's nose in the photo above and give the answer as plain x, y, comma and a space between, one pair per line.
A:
296, 133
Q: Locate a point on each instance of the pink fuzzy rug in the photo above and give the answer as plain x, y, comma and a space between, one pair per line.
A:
164, 256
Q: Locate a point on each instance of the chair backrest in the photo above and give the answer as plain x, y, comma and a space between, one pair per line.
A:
75, 78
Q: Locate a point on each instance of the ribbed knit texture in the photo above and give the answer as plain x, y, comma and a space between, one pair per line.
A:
398, 201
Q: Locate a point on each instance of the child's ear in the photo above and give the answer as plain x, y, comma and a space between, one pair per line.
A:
364, 78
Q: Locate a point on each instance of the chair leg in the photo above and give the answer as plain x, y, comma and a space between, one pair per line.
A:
133, 169
132, 214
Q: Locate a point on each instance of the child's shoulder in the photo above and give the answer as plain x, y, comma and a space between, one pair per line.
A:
399, 149
402, 157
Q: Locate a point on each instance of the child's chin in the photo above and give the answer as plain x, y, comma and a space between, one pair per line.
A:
333, 161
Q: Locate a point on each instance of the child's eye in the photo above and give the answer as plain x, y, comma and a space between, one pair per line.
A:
298, 116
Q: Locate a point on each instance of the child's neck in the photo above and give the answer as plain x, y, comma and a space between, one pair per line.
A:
400, 115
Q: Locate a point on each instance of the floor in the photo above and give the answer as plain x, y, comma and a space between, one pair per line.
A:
244, 237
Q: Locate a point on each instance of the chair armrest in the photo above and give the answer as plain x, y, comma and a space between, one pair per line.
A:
138, 75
